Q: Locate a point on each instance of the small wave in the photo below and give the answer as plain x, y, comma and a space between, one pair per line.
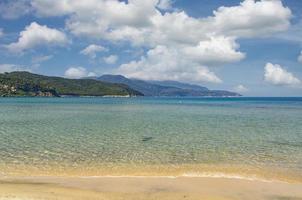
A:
194, 175
229, 176
126, 176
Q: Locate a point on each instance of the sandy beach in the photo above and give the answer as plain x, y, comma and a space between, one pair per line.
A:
111, 188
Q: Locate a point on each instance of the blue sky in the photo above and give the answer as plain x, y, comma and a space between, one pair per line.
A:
252, 47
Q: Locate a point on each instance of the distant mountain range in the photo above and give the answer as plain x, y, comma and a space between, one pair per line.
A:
165, 88
28, 84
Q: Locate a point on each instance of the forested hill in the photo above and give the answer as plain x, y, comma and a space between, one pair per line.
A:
28, 84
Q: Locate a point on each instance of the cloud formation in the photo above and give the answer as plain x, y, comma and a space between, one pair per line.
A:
215, 51
276, 75
13, 9
92, 49
36, 35
240, 88
113, 19
112, 59
252, 18
198, 43
165, 4
77, 72
162, 63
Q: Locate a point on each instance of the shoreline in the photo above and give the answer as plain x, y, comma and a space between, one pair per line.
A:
241, 172
111, 188
200, 175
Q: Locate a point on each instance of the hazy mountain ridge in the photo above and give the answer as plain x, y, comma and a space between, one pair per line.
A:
181, 85
165, 88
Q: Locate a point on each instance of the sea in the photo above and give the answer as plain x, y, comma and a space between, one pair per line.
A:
247, 138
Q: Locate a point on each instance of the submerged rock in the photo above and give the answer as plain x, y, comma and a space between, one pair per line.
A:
145, 139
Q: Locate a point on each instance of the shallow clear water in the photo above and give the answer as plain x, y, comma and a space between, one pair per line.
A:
151, 136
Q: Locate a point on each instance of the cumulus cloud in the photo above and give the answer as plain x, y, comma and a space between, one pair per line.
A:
12, 67
111, 19
162, 63
92, 49
198, 43
112, 59
96, 18
184, 64
77, 72
36, 35
12, 9
275, 74
252, 18
240, 88
300, 57
216, 50
164, 4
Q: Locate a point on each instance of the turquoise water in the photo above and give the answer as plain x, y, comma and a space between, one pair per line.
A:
108, 136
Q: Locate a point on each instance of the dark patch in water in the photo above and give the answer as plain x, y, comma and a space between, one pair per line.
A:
145, 139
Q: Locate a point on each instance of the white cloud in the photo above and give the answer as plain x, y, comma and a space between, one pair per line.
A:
92, 49
36, 35
78, 72
48, 8
1, 32
162, 63
11, 68
300, 57
91, 74
112, 19
184, 64
75, 72
199, 42
240, 88
112, 59
40, 59
276, 75
96, 18
165, 4
252, 18
214, 51
13, 9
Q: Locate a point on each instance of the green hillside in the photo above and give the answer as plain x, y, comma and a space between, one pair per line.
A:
28, 84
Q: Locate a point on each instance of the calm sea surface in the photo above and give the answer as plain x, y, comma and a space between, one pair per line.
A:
238, 137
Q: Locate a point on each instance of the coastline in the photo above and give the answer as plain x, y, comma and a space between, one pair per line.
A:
241, 172
114, 188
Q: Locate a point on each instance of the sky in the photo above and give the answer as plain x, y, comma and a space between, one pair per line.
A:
253, 47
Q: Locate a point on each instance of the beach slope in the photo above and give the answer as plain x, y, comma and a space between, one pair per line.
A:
117, 188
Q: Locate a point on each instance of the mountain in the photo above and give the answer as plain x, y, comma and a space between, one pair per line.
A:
148, 89
165, 88
28, 84
180, 85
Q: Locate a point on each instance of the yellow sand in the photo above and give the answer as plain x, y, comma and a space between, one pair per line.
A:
199, 170
118, 188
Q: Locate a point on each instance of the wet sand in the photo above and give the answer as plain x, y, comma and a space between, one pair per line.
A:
118, 188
